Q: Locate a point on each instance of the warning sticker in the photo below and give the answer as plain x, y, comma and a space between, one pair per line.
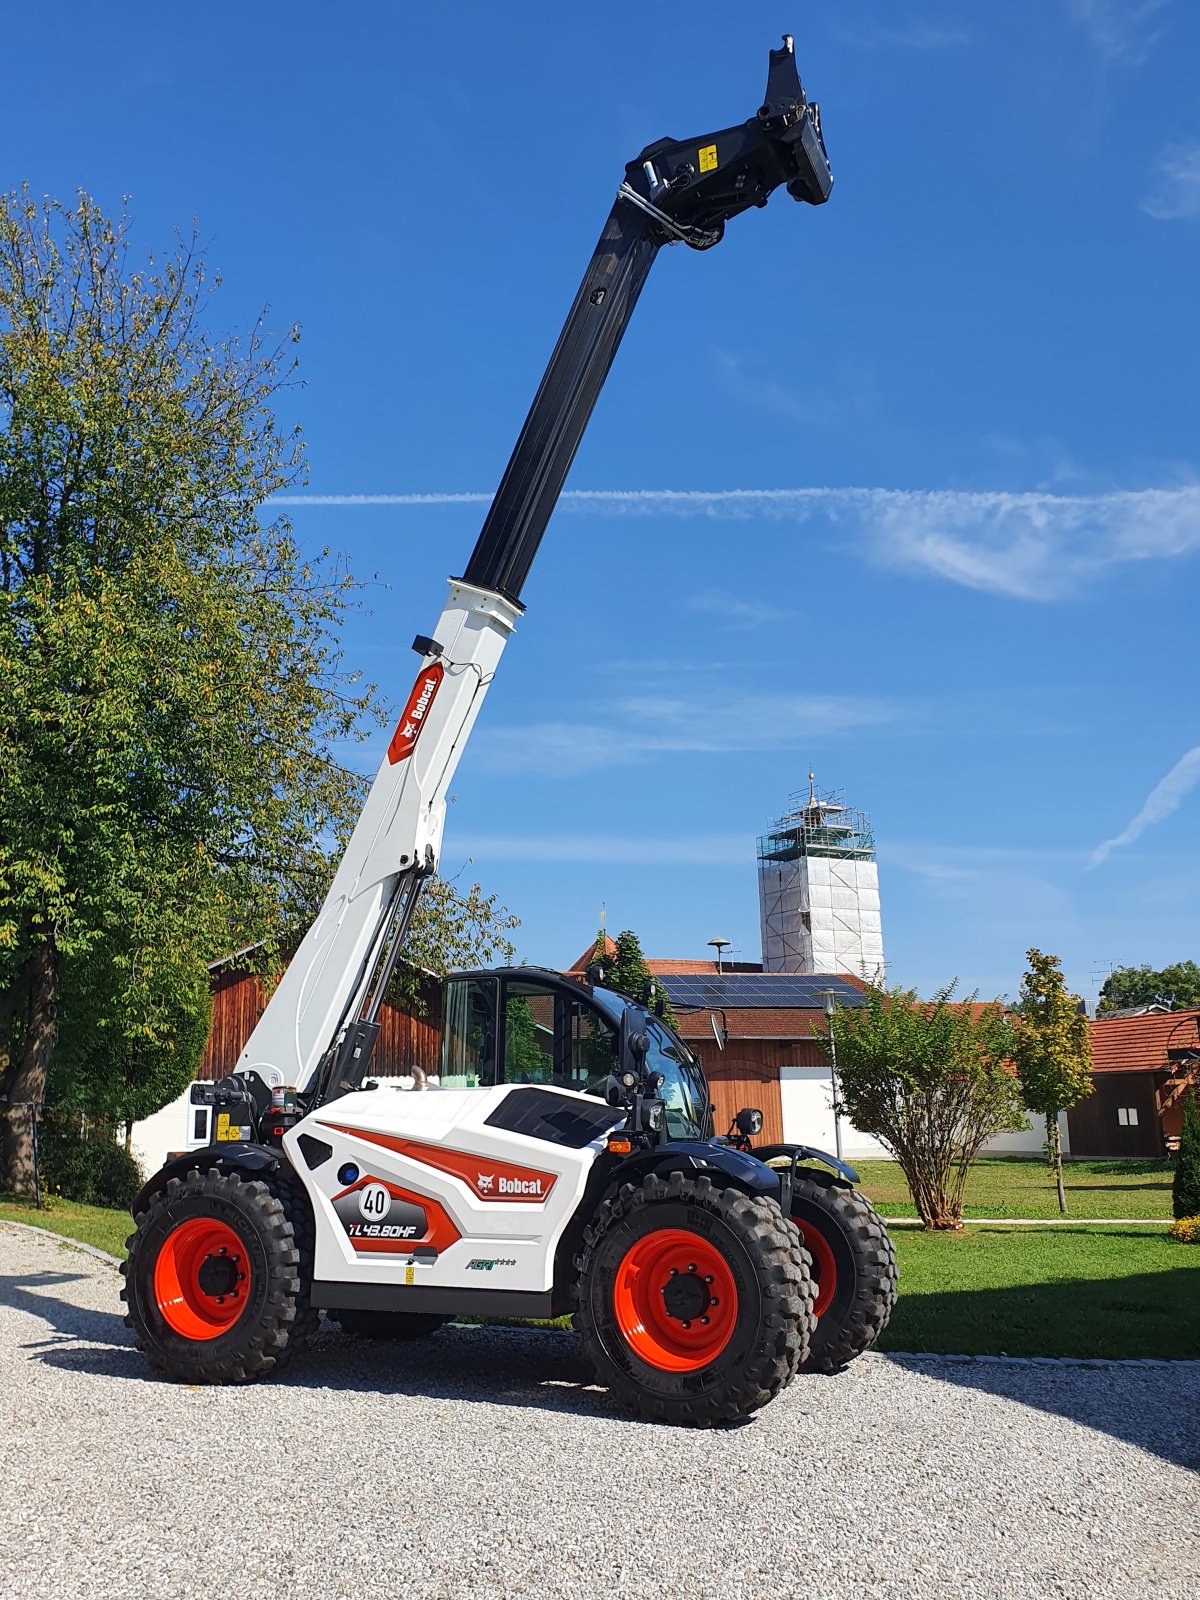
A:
708, 158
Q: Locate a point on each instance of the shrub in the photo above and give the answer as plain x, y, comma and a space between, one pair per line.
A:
1185, 1191
93, 1167
1186, 1230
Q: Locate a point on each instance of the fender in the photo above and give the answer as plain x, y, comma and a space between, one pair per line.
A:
701, 1159
249, 1158
806, 1152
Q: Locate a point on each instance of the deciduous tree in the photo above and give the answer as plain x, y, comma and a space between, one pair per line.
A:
1053, 1050
930, 1080
1176, 987
173, 694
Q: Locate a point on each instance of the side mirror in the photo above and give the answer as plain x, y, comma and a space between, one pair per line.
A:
749, 1121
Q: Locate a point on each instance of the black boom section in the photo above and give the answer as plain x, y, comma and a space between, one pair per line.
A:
676, 190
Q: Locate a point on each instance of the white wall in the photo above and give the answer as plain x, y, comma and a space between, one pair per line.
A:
808, 1119
167, 1130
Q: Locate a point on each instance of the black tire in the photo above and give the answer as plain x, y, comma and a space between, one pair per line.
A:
401, 1325
752, 1249
268, 1327
854, 1241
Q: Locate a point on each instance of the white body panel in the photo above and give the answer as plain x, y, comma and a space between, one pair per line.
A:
510, 1241
401, 824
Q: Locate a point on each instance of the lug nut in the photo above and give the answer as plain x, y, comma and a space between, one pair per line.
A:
709, 1278
691, 1266
713, 1301
704, 1320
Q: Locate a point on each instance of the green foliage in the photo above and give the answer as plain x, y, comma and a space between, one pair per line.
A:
452, 929
524, 1059
928, 1079
1185, 1191
172, 685
92, 1167
1052, 1048
1177, 987
627, 972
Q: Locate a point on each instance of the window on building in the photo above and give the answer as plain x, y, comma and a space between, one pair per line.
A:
1127, 1116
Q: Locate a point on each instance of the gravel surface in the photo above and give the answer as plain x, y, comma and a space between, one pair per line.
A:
480, 1463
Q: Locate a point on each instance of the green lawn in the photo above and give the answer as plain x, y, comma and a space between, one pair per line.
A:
1047, 1292
1016, 1188
986, 1291
96, 1225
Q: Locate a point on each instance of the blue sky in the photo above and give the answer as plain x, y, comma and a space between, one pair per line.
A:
962, 398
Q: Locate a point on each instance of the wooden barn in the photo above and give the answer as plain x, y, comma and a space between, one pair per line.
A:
407, 1038
1143, 1063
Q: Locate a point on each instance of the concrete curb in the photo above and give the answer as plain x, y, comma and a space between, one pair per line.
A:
62, 1238
1040, 1222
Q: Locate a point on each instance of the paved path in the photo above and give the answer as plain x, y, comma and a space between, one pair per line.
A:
479, 1463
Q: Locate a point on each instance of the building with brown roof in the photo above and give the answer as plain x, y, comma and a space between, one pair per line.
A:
1143, 1064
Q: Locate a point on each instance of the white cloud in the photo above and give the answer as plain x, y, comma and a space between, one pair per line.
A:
611, 849
905, 33
734, 615
1026, 546
1175, 195
1120, 30
1165, 797
636, 728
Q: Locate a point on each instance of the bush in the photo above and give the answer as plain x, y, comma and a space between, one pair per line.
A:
1185, 1191
93, 1168
1186, 1230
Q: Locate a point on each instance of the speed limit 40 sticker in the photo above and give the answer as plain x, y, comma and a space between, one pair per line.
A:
374, 1202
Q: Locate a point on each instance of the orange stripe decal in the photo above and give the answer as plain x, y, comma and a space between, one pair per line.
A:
486, 1178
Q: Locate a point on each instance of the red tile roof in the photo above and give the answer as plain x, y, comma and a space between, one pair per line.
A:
1147, 1043
665, 965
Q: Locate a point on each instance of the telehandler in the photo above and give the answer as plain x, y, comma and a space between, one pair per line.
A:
585, 1176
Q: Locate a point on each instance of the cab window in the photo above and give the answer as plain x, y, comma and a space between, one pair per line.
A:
552, 1037
469, 1034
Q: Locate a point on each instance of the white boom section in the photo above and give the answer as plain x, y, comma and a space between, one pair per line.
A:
400, 828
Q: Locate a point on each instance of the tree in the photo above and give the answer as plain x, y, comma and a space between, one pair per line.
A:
1185, 1190
1176, 987
173, 690
930, 1080
626, 971
1052, 1047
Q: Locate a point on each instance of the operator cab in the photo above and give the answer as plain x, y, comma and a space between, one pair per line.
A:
527, 1025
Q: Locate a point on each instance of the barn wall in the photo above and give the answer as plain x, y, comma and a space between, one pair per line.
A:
746, 1073
1095, 1127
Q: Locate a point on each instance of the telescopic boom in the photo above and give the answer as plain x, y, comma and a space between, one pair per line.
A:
320, 1024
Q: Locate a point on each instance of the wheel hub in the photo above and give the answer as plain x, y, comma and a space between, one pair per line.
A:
219, 1274
685, 1296
676, 1300
202, 1278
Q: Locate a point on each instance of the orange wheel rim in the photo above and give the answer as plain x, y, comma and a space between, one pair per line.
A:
824, 1266
675, 1300
201, 1278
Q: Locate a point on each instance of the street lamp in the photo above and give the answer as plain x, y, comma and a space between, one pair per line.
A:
829, 1001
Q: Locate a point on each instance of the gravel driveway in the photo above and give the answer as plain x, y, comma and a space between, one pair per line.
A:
478, 1463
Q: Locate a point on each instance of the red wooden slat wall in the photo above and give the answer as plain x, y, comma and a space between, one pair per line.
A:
406, 1038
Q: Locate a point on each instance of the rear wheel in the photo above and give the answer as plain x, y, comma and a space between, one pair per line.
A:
695, 1307
401, 1325
853, 1267
213, 1286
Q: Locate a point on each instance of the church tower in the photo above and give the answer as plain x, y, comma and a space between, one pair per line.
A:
818, 891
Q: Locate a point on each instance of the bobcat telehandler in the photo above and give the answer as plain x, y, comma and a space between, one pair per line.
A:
584, 1177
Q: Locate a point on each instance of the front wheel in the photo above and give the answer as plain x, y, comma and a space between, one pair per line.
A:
213, 1280
694, 1305
854, 1265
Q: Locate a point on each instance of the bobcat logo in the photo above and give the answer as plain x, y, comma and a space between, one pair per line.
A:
484, 1182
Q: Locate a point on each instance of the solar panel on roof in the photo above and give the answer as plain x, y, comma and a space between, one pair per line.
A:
747, 991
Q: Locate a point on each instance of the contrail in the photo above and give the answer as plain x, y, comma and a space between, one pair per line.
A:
1026, 546
1163, 799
